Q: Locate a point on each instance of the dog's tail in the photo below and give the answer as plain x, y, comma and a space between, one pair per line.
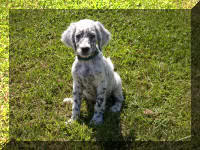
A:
110, 63
66, 100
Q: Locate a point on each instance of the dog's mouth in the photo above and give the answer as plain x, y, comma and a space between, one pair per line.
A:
88, 56
84, 56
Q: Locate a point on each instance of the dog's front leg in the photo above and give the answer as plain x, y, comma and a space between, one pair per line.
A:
77, 96
100, 104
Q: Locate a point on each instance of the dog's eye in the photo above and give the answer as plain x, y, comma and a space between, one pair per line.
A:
78, 36
91, 36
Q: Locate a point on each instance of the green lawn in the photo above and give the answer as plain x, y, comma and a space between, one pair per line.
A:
150, 50
152, 59
4, 90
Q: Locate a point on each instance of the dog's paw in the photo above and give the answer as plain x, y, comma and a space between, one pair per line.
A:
70, 121
68, 100
97, 120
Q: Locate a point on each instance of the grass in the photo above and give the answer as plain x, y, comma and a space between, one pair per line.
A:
149, 52
4, 107
121, 4
4, 103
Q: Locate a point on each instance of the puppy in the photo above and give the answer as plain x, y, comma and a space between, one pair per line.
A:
93, 75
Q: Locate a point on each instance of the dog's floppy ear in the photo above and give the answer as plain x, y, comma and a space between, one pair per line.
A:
103, 35
68, 36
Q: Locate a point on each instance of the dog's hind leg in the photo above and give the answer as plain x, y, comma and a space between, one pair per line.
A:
117, 95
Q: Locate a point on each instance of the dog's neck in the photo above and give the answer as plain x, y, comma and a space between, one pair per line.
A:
90, 57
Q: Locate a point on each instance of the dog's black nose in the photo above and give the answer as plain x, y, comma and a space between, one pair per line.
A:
85, 50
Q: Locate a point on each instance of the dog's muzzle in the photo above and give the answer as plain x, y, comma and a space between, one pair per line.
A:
90, 57
85, 51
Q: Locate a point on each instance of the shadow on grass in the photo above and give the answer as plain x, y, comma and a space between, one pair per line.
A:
109, 133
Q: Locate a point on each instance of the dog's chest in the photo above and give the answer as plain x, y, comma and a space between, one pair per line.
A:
89, 74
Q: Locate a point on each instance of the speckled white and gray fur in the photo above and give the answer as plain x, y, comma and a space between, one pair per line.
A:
93, 79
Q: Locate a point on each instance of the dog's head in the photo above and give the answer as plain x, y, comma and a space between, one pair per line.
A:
84, 36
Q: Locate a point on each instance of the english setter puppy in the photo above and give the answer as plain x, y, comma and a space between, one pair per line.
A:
93, 75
